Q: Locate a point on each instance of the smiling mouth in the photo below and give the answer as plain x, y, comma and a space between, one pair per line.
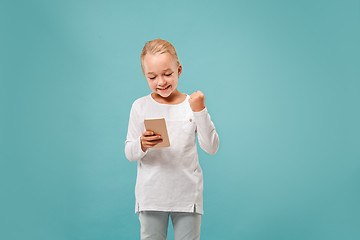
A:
163, 89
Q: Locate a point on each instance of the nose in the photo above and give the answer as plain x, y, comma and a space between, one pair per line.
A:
161, 81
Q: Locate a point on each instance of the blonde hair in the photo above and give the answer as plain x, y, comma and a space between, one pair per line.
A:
158, 46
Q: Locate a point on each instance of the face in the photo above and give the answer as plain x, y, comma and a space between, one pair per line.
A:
161, 73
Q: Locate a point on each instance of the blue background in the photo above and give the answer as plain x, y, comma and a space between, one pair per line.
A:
281, 81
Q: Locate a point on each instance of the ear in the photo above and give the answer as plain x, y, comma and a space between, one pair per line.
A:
179, 70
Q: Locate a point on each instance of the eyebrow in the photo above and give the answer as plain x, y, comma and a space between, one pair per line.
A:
163, 70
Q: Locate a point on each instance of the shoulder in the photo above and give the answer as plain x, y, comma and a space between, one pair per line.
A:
141, 101
186, 96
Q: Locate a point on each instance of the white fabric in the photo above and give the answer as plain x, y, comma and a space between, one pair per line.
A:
170, 179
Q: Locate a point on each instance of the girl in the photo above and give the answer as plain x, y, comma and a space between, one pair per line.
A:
169, 180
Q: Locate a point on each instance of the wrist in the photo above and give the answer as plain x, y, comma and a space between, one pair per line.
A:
199, 109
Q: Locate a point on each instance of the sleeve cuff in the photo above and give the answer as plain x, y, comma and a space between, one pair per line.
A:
141, 153
201, 113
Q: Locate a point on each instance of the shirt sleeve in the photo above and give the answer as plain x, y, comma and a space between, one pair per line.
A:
207, 135
133, 149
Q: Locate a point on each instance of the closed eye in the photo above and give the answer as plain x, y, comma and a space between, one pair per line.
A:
165, 75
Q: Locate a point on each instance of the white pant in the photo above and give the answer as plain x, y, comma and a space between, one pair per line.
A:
154, 225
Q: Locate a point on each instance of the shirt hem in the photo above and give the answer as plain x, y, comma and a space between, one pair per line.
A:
195, 208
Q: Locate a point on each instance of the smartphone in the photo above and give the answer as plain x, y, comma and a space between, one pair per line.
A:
158, 126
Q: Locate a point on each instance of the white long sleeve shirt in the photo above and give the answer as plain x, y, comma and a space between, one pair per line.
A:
170, 178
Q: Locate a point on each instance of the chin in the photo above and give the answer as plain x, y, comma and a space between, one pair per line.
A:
164, 95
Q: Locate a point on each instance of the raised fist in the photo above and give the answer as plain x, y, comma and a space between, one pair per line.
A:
197, 101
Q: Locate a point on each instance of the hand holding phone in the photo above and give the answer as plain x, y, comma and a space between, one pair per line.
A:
149, 139
156, 134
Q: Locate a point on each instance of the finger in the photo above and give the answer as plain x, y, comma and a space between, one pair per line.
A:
156, 142
152, 144
153, 138
148, 133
